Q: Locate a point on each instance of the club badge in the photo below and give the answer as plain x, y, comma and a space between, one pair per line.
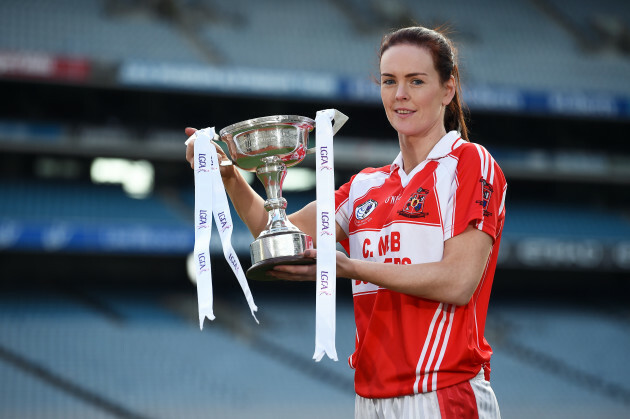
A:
413, 207
365, 209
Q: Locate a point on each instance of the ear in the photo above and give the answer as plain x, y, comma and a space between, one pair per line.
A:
449, 91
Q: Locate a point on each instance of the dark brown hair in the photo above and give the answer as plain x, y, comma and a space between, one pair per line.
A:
445, 62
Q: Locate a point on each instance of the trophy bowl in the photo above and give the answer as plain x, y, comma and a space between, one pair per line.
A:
267, 146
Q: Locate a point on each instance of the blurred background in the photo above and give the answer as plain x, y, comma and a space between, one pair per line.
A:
97, 311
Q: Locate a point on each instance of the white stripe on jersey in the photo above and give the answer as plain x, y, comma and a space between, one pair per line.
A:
377, 230
503, 199
426, 345
482, 159
436, 345
437, 200
454, 209
392, 222
487, 162
483, 174
444, 184
356, 294
446, 336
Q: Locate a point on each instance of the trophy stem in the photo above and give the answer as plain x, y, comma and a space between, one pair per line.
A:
272, 174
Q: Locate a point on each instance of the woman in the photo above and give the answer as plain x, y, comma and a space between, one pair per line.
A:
423, 236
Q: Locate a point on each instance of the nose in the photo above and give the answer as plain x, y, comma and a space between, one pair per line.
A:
401, 92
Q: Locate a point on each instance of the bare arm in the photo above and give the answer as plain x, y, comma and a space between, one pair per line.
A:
306, 220
452, 280
249, 206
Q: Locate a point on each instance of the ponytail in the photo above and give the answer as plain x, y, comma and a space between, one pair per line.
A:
454, 117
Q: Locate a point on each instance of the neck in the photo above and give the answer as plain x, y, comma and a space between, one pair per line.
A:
415, 149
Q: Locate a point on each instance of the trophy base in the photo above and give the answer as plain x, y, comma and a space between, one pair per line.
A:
284, 248
258, 271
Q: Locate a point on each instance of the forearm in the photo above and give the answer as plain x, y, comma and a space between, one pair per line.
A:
248, 204
436, 281
306, 220
451, 280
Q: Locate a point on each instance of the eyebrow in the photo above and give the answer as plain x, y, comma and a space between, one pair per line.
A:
407, 75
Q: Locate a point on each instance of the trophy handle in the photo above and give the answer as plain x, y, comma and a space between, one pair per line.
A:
227, 161
340, 119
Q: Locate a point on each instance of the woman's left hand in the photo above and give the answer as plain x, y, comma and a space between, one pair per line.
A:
303, 272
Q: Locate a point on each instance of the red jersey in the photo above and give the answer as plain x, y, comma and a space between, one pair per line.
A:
406, 344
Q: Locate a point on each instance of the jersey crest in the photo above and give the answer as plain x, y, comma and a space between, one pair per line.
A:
413, 208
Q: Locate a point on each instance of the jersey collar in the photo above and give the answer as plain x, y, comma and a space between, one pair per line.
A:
445, 146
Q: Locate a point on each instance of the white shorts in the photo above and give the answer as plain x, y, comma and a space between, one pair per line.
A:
453, 402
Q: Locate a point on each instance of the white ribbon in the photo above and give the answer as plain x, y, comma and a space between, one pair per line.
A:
203, 229
210, 196
326, 240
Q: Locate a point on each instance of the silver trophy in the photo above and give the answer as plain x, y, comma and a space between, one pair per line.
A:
268, 146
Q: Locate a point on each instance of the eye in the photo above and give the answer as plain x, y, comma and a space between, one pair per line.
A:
417, 82
387, 81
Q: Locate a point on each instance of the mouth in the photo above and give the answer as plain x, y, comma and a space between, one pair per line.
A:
403, 111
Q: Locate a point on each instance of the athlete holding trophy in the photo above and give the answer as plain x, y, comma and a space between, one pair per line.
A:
423, 236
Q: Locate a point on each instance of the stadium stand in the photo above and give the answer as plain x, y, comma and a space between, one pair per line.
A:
84, 29
549, 92
82, 217
548, 54
80, 202
306, 38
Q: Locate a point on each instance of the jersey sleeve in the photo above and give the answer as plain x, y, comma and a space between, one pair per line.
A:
478, 196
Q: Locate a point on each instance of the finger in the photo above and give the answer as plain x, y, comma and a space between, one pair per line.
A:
310, 253
293, 272
220, 151
287, 276
292, 269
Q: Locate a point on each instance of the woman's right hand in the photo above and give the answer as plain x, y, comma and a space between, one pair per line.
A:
226, 171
